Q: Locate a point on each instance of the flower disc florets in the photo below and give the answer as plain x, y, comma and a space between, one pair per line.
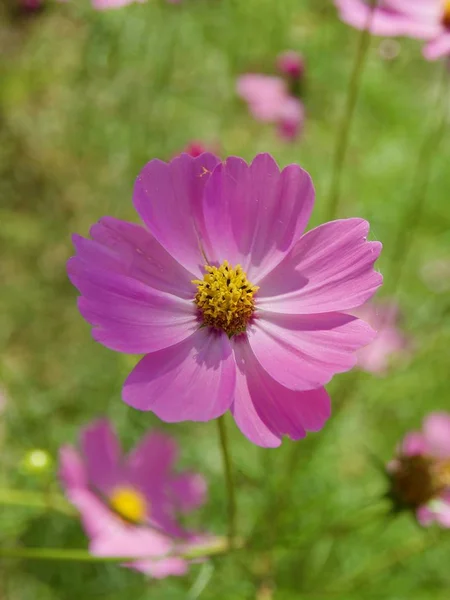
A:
225, 298
418, 479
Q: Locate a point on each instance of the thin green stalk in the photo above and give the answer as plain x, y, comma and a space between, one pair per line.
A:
421, 180
343, 135
224, 446
215, 548
36, 500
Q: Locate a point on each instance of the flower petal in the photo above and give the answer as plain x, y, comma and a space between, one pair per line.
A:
102, 455
437, 47
168, 198
136, 254
304, 352
414, 444
329, 269
254, 214
128, 316
188, 491
192, 381
72, 470
436, 429
264, 410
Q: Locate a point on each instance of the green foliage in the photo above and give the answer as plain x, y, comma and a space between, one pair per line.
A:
86, 99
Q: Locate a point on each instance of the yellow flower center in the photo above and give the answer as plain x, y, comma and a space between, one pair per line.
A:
446, 14
419, 479
225, 298
129, 504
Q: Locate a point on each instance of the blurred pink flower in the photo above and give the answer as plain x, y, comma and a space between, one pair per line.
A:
233, 305
291, 63
195, 148
423, 19
269, 100
389, 341
107, 4
129, 505
31, 5
420, 472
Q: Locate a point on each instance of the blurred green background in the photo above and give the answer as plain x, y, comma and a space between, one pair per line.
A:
86, 99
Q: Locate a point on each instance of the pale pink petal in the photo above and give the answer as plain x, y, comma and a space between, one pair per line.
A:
168, 198
304, 352
193, 380
254, 214
188, 491
136, 254
265, 411
264, 95
414, 443
329, 269
436, 429
425, 516
72, 470
153, 459
102, 455
127, 315
437, 47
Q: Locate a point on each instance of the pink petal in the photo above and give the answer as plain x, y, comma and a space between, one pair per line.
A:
188, 491
436, 429
102, 455
72, 470
265, 411
264, 95
192, 381
128, 316
414, 443
437, 47
329, 269
254, 214
136, 254
304, 352
168, 198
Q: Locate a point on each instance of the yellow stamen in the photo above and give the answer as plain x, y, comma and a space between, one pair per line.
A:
419, 479
225, 298
129, 504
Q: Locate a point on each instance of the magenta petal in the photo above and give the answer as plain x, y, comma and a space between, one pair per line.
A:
329, 269
304, 352
437, 47
436, 429
136, 254
264, 410
254, 214
72, 470
152, 460
168, 198
102, 455
128, 316
414, 444
188, 491
192, 381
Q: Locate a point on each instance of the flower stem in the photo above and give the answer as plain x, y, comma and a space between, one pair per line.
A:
421, 180
343, 134
216, 547
224, 446
36, 500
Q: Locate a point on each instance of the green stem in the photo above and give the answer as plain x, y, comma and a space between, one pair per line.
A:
343, 134
228, 480
215, 548
36, 500
421, 180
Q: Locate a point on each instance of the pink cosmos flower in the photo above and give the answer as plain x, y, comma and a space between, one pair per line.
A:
107, 4
129, 505
423, 19
420, 473
233, 305
291, 63
269, 100
389, 342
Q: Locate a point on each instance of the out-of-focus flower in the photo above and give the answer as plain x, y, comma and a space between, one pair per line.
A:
195, 148
109, 4
129, 505
423, 19
31, 5
389, 341
420, 472
436, 275
269, 100
235, 307
291, 63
